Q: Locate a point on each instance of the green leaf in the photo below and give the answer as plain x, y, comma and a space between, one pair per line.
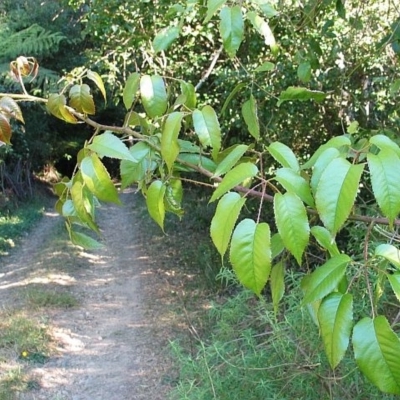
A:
231, 28
194, 159
165, 37
385, 181
189, 95
169, 138
337, 142
390, 253
292, 223
109, 145
284, 155
277, 245
249, 112
277, 283
394, 280
294, 183
155, 202
56, 106
81, 99
394, 87
250, 254
336, 192
173, 197
262, 27
301, 94
98, 180
232, 94
304, 72
207, 128
376, 350
96, 78
325, 278
384, 143
234, 155
340, 9
154, 95
130, 89
320, 165
266, 66
212, 7
233, 178
82, 240
335, 317
325, 239
224, 220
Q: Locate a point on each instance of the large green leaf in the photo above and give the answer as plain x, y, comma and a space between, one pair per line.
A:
321, 163
277, 283
304, 72
394, 280
376, 350
335, 317
325, 278
56, 105
212, 8
301, 94
98, 180
249, 112
231, 28
224, 220
284, 155
130, 89
109, 145
165, 37
336, 192
231, 157
385, 181
338, 142
294, 183
262, 27
194, 159
81, 99
292, 222
82, 240
155, 202
154, 95
384, 143
207, 128
390, 253
250, 254
233, 178
169, 138
325, 239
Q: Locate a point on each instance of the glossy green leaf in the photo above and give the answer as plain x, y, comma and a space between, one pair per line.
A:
266, 7
231, 28
212, 7
165, 37
155, 202
335, 317
277, 284
249, 112
5, 130
186, 159
262, 27
301, 94
233, 178
336, 192
284, 155
224, 220
384, 169
266, 66
394, 280
81, 99
277, 245
376, 350
234, 155
320, 165
338, 142
292, 223
56, 105
207, 128
325, 278
109, 145
313, 307
130, 89
82, 240
153, 95
390, 253
189, 95
98, 180
384, 143
250, 254
294, 183
304, 72
325, 239
96, 78
169, 138
173, 197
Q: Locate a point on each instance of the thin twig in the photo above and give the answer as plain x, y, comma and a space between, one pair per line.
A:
210, 68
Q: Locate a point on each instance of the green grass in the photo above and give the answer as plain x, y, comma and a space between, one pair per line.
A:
20, 221
42, 298
248, 354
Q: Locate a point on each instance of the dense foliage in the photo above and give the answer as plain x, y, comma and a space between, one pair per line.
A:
294, 106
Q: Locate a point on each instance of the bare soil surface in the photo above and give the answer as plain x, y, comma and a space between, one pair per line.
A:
114, 345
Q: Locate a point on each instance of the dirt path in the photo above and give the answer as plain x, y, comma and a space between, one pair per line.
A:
114, 344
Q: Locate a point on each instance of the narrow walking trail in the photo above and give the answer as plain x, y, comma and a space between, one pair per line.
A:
114, 345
